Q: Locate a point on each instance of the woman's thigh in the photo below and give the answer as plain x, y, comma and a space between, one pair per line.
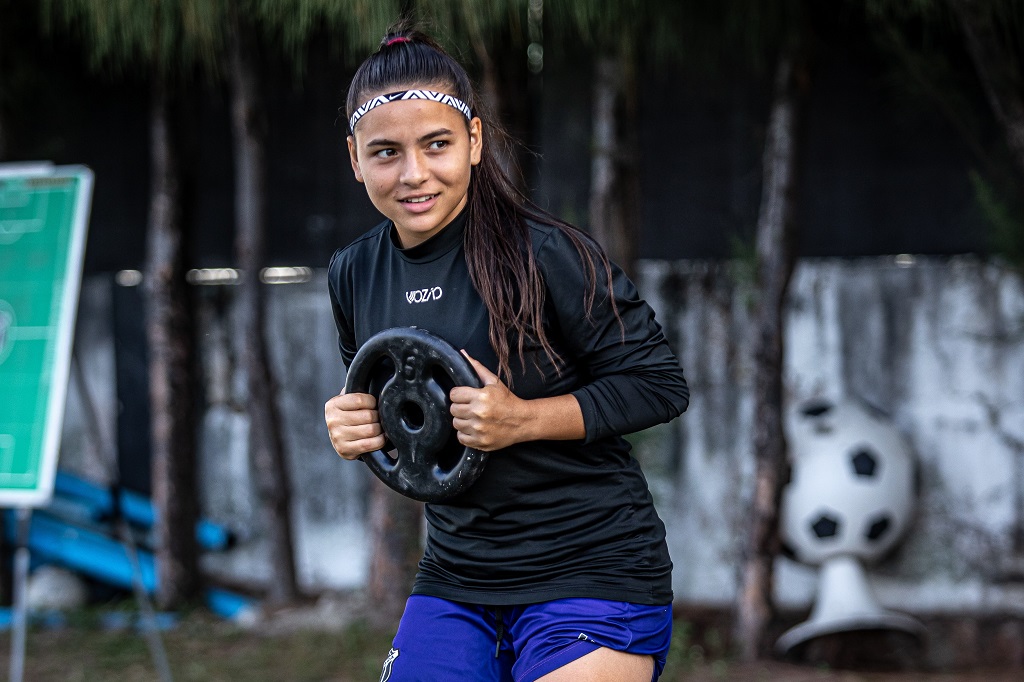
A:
605, 665
577, 636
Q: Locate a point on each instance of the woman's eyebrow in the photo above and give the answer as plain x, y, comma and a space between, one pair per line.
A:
440, 132
382, 142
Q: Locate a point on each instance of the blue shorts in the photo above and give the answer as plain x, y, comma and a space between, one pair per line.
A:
439, 639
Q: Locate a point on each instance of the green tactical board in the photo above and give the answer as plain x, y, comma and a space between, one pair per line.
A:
44, 213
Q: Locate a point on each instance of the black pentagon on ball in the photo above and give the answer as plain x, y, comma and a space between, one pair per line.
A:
816, 408
878, 527
826, 526
865, 463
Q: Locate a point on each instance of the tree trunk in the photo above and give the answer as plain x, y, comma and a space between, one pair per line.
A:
5, 95
266, 446
613, 179
998, 70
775, 260
169, 332
395, 526
491, 87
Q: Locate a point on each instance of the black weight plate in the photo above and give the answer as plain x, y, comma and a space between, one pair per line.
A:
411, 371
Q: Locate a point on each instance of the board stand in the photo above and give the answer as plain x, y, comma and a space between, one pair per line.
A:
19, 621
107, 459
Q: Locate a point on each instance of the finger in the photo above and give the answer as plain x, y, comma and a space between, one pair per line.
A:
355, 449
486, 375
476, 442
352, 408
352, 417
355, 413
351, 434
462, 395
354, 401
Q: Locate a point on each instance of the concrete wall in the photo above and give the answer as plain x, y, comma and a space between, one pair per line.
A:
936, 343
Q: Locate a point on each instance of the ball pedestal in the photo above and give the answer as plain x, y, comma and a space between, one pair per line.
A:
845, 603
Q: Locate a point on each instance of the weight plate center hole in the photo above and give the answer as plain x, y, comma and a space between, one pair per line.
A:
412, 416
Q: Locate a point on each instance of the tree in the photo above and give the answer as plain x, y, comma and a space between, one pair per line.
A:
710, 37
919, 35
233, 40
776, 255
625, 36
788, 37
266, 443
613, 28
993, 33
170, 335
6, 65
172, 39
163, 41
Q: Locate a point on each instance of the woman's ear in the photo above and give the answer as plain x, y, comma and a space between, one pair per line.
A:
354, 158
476, 140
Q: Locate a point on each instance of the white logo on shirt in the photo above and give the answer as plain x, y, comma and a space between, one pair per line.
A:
423, 295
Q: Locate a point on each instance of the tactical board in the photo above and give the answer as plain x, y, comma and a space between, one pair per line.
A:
44, 213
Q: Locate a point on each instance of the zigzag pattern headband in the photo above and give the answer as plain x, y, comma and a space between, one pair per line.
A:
408, 94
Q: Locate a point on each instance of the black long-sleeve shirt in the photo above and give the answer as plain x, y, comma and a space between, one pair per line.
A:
546, 519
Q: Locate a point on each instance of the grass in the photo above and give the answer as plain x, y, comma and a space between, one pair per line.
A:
199, 649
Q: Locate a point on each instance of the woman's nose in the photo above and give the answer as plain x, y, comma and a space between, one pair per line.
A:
414, 171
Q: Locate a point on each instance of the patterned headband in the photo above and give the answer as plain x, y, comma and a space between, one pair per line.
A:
408, 94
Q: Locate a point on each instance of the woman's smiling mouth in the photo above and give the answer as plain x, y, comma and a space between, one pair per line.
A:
418, 200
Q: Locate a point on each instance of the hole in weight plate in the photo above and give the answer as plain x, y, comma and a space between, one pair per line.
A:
412, 416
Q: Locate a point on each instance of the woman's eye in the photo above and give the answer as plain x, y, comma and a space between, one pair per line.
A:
438, 144
385, 153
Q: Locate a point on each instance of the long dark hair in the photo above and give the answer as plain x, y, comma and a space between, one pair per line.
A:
497, 240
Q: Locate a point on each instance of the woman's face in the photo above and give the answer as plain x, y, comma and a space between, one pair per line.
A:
415, 156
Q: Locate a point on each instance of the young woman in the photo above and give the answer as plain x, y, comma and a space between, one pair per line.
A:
553, 565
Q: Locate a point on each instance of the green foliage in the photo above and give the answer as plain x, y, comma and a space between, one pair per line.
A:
743, 267
201, 649
704, 34
170, 36
1005, 217
176, 36
917, 34
927, 17
354, 27
686, 654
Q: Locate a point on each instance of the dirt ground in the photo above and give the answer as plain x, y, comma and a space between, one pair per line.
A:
782, 672
200, 648
217, 655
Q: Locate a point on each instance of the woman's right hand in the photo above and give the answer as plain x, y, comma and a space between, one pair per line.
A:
353, 424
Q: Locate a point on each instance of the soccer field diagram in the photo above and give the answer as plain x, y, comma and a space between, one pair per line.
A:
43, 220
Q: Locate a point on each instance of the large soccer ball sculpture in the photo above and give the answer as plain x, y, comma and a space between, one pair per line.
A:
851, 498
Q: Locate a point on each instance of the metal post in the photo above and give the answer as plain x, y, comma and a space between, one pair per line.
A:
19, 626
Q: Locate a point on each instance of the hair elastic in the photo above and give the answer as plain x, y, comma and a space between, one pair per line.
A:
431, 95
397, 39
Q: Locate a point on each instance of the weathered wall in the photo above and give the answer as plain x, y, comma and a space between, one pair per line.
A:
937, 344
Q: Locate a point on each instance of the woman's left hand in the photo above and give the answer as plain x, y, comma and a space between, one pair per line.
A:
488, 418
